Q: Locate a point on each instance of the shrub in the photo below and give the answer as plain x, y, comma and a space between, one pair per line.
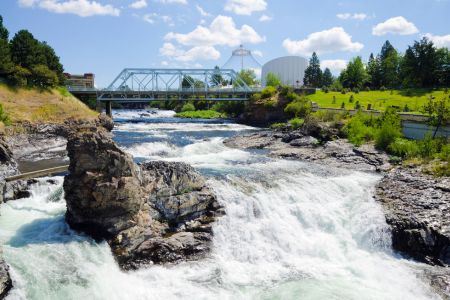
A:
278, 126
367, 89
188, 107
42, 77
291, 96
406, 108
268, 92
325, 89
355, 90
350, 100
329, 116
343, 105
404, 148
301, 107
359, 129
272, 80
4, 117
270, 103
390, 129
383, 88
296, 122
357, 105
19, 76
334, 100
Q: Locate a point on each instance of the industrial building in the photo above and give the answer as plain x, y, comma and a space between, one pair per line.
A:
290, 70
85, 81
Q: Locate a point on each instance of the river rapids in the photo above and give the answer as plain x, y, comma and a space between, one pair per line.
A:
292, 230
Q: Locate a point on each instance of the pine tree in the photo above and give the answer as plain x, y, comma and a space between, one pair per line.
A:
313, 73
389, 66
327, 78
374, 71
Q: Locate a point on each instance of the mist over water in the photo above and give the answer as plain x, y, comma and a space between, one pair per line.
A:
293, 230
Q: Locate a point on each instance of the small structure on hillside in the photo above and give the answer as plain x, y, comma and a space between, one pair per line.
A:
85, 81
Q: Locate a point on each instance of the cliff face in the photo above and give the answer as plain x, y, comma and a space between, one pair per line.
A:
417, 208
153, 213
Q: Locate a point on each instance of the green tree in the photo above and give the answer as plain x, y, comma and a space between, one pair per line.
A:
389, 66
327, 78
19, 76
355, 75
26, 50
52, 61
248, 76
438, 113
443, 70
42, 77
374, 71
4, 34
299, 107
313, 73
217, 78
6, 64
273, 80
420, 64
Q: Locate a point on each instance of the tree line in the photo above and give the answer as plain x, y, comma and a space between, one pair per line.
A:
25, 61
421, 66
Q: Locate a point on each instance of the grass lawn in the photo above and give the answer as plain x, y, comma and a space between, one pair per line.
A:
201, 114
379, 100
36, 106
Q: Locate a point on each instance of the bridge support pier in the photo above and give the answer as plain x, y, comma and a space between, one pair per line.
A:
108, 109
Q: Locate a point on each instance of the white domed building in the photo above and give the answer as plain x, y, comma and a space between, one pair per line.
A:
290, 69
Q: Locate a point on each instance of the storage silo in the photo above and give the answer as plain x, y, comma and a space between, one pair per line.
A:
290, 69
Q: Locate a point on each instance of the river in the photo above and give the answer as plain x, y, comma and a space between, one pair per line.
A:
292, 230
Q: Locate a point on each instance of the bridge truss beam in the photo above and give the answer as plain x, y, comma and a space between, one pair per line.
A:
144, 85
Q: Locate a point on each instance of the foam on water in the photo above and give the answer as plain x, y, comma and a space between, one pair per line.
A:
292, 230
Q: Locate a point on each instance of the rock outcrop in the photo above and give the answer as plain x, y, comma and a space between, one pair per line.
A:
417, 206
8, 167
300, 145
5, 279
156, 212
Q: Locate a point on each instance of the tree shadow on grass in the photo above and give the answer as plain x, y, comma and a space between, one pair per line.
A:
415, 92
46, 231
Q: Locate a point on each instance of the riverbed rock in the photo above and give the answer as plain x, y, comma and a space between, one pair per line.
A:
8, 167
157, 212
300, 146
417, 206
5, 279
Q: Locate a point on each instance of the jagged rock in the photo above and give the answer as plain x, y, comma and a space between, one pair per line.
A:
418, 211
156, 212
297, 145
8, 167
5, 279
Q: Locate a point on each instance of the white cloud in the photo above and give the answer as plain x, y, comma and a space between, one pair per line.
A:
173, 1
265, 18
139, 4
355, 16
245, 7
440, 41
82, 8
154, 17
195, 53
164, 63
335, 65
327, 41
222, 31
397, 25
202, 12
257, 53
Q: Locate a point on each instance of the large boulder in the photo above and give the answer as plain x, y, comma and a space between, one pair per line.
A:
8, 167
5, 279
156, 212
417, 206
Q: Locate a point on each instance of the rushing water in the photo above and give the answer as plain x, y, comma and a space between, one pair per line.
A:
293, 230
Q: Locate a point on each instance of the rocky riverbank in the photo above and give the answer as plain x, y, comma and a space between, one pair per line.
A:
157, 212
299, 145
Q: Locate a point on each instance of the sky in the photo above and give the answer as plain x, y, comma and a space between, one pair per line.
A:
105, 36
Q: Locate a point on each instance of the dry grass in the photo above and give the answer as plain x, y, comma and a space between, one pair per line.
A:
35, 106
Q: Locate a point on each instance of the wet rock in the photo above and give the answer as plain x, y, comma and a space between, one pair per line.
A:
418, 210
156, 212
297, 145
5, 279
8, 167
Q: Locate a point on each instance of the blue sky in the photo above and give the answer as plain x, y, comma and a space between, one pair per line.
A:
105, 36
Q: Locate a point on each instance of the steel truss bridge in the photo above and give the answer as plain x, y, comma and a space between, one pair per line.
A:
145, 85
